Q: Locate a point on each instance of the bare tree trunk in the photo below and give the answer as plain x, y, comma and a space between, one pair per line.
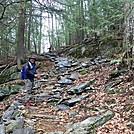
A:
128, 34
29, 27
20, 40
40, 33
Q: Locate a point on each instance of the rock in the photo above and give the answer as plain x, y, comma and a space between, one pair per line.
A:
7, 90
41, 116
30, 122
63, 61
62, 64
15, 124
53, 133
8, 114
72, 101
49, 55
62, 107
61, 69
57, 90
78, 89
90, 123
54, 98
27, 130
65, 81
109, 89
17, 113
73, 76
76, 68
75, 64
2, 129
9, 74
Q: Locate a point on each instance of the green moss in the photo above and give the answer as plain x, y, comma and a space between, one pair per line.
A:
4, 78
84, 71
114, 91
116, 73
111, 101
128, 107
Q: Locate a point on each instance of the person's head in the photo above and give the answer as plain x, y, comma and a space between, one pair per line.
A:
32, 58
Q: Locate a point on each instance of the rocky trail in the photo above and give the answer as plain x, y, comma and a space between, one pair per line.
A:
85, 96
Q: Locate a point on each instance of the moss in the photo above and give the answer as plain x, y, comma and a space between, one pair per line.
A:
118, 90
84, 71
111, 101
128, 107
4, 78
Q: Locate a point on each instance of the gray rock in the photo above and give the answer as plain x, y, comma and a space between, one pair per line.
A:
57, 90
61, 69
53, 133
75, 63
62, 107
8, 114
41, 116
72, 101
17, 113
90, 123
30, 122
15, 124
64, 62
73, 76
24, 131
6, 90
2, 129
80, 88
65, 81
9, 74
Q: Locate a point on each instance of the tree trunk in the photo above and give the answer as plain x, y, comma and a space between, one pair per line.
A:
128, 34
40, 33
29, 27
20, 41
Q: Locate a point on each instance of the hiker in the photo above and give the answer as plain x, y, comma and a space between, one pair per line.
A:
28, 72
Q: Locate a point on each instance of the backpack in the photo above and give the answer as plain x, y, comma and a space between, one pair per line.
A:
23, 73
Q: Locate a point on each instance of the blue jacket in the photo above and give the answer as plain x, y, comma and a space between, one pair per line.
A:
30, 71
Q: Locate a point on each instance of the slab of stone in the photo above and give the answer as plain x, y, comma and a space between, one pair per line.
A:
27, 130
15, 124
53, 133
41, 116
2, 129
73, 76
62, 107
6, 90
65, 81
80, 88
30, 122
72, 101
87, 125
7, 115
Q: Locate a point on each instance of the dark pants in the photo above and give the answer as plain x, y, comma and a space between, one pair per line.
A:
29, 84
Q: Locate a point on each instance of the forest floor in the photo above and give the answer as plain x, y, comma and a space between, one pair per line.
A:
121, 102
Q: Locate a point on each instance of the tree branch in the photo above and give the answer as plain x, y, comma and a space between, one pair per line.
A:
6, 5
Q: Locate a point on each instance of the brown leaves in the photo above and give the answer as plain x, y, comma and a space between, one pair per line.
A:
97, 102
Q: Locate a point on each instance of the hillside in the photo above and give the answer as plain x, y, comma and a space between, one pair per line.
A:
70, 92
